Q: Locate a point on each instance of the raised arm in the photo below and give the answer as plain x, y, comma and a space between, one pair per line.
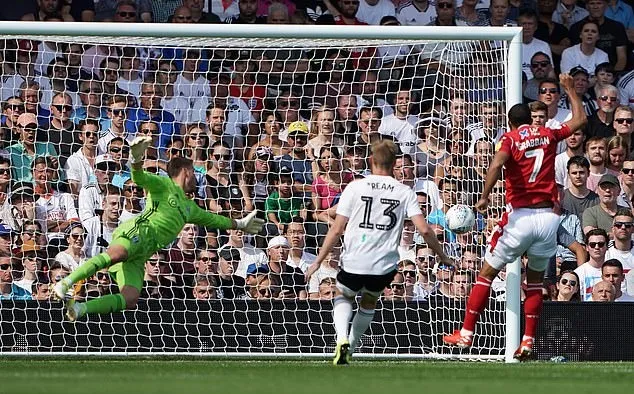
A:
579, 118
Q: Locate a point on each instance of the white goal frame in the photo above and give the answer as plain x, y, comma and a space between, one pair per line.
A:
510, 36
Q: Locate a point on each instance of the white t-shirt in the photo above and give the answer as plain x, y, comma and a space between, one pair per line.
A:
572, 57
131, 86
588, 277
322, 273
402, 130
90, 198
179, 107
10, 86
106, 137
376, 207
304, 262
409, 15
191, 90
248, 255
238, 114
78, 169
67, 261
562, 115
528, 50
561, 170
95, 229
56, 206
625, 85
625, 257
372, 14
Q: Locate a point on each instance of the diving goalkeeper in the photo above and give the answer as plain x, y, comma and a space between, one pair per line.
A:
167, 211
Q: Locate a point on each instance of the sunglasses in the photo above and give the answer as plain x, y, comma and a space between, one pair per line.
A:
445, 5
446, 267
624, 120
222, 157
565, 281
62, 107
124, 14
148, 131
154, 262
91, 134
133, 189
548, 90
102, 276
32, 233
5, 171
206, 259
77, 236
596, 244
426, 258
29, 127
608, 98
5, 267
626, 225
117, 111
197, 136
116, 149
627, 171
16, 107
397, 285
409, 272
542, 64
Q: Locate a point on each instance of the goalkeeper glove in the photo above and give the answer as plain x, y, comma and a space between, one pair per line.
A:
250, 224
138, 147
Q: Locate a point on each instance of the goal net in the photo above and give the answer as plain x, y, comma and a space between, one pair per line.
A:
229, 97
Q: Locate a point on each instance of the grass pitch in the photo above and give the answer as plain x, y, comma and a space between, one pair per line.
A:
187, 376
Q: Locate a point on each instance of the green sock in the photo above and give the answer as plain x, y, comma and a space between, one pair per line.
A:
106, 304
88, 268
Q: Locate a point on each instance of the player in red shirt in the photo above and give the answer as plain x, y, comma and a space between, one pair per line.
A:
530, 224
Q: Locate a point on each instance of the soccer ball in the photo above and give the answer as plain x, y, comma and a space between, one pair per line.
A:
460, 219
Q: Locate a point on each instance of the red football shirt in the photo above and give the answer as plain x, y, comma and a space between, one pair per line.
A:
530, 170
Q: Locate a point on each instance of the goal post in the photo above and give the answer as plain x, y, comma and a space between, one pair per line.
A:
442, 45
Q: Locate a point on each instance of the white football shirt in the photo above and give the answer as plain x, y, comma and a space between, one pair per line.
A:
376, 207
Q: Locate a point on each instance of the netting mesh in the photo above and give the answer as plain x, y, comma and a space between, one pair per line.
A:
71, 105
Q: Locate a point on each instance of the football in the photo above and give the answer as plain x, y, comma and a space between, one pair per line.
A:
460, 219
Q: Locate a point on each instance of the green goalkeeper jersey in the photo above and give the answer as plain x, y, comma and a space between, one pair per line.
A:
168, 209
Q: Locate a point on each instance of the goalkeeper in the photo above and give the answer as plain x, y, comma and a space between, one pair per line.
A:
167, 210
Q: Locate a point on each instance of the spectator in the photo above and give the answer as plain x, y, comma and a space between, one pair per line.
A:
27, 149
567, 288
528, 20
323, 130
596, 151
327, 289
278, 14
6, 239
622, 124
585, 54
449, 191
47, 9
329, 268
298, 256
117, 108
291, 279
407, 247
74, 254
206, 261
590, 272
487, 127
432, 150
154, 286
416, 13
298, 158
581, 81
604, 75
542, 69
470, 15
400, 125
31, 259
123, 10
230, 285
622, 245
204, 288
398, 290
182, 256
271, 131
91, 195
626, 89
574, 147
53, 209
12, 108
80, 165
54, 82
31, 230
550, 95
247, 13
369, 123
612, 271
24, 67
258, 283
618, 148
99, 229
600, 124
18, 206
568, 13
627, 183
92, 96
404, 170
612, 35
603, 291
602, 214
330, 181
133, 196
461, 284
41, 288
150, 109
56, 273
258, 178
60, 131
283, 204
248, 254
30, 93
8, 289
547, 30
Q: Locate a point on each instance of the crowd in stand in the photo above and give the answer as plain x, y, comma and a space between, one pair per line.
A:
284, 131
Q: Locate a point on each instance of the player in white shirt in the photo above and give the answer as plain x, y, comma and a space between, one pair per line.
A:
371, 212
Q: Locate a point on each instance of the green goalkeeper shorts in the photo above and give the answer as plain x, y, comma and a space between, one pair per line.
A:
139, 239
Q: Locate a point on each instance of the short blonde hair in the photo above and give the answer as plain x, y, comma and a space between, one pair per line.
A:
384, 153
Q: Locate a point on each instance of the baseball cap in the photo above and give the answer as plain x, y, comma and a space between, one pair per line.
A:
22, 189
297, 127
5, 230
263, 151
578, 69
105, 162
254, 269
29, 246
609, 178
229, 253
278, 241
26, 119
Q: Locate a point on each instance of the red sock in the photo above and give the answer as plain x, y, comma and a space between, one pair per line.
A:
532, 308
477, 302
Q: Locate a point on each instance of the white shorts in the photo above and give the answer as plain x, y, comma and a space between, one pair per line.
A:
529, 230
